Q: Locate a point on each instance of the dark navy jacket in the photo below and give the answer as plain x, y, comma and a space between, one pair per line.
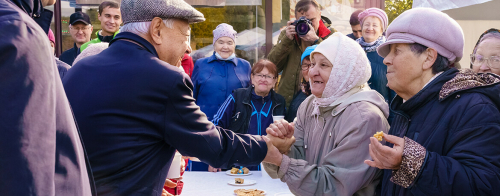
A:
135, 110
214, 80
461, 134
378, 80
70, 55
40, 148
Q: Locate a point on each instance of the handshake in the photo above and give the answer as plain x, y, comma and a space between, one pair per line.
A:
279, 139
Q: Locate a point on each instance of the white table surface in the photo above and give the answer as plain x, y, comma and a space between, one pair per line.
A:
209, 183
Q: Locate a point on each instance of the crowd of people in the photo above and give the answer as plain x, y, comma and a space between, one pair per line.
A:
108, 115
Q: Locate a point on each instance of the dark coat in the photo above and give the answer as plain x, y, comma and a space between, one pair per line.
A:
461, 134
40, 148
135, 111
378, 80
215, 79
62, 67
294, 106
70, 55
236, 114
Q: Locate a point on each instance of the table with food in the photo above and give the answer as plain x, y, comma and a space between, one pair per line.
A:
237, 181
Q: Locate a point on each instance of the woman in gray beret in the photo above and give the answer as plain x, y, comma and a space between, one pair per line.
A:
444, 137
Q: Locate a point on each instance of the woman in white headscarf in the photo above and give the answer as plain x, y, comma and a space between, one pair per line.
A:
334, 126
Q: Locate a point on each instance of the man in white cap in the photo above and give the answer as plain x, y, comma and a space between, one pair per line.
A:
135, 108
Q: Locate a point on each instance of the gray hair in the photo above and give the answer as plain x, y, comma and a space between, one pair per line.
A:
441, 63
91, 50
141, 28
492, 35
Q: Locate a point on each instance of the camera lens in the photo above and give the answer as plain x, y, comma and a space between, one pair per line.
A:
302, 28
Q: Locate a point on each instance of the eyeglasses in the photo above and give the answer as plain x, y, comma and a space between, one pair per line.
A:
78, 29
262, 76
306, 67
478, 60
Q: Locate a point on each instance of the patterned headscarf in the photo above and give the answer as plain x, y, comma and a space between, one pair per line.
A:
351, 68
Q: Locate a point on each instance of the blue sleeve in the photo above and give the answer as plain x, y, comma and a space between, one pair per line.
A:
195, 79
223, 116
471, 165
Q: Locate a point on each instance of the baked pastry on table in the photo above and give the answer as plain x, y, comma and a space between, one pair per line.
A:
249, 192
239, 181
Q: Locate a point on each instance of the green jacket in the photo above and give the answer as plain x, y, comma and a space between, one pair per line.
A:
286, 56
94, 41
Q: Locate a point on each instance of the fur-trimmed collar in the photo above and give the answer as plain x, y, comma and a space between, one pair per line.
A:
467, 79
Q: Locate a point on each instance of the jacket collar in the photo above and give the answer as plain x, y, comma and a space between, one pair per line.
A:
427, 94
31, 7
137, 39
323, 31
77, 50
250, 90
213, 58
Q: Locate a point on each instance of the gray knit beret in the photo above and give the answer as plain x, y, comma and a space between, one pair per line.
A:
146, 10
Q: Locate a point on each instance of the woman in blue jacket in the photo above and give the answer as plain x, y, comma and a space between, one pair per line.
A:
251, 110
373, 24
444, 135
215, 77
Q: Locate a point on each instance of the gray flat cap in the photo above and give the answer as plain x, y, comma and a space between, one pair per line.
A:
146, 10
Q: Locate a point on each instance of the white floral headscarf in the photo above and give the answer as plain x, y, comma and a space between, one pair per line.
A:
351, 68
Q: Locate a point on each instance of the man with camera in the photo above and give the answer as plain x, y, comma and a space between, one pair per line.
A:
310, 28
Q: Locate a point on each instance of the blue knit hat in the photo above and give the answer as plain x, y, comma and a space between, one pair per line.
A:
307, 52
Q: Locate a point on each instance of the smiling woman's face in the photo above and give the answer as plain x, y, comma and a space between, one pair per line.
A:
224, 46
319, 73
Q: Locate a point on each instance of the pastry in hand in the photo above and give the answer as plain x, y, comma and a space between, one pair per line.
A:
379, 135
239, 180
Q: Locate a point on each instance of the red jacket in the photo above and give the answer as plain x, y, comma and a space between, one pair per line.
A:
187, 64
178, 189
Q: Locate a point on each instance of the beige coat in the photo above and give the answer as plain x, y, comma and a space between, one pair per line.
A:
327, 157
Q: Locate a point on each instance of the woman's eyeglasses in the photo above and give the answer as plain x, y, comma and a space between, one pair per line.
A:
478, 60
262, 76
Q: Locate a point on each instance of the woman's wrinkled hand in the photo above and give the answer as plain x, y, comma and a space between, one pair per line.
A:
284, 144
273, 155
212, 169
385, 157
281, 129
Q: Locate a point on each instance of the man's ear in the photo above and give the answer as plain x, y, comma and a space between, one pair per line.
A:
155, 30
430, 57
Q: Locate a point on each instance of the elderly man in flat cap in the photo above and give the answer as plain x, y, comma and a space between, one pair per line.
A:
444, 138
135, 109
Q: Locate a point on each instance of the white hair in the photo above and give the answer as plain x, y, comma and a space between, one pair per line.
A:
91, 50
141, 28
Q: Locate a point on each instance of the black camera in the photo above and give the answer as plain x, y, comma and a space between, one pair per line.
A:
302, 26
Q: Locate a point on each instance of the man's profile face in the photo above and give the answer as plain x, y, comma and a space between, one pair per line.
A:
356, 30
178, 37
312, 14
80, 32
111, 19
